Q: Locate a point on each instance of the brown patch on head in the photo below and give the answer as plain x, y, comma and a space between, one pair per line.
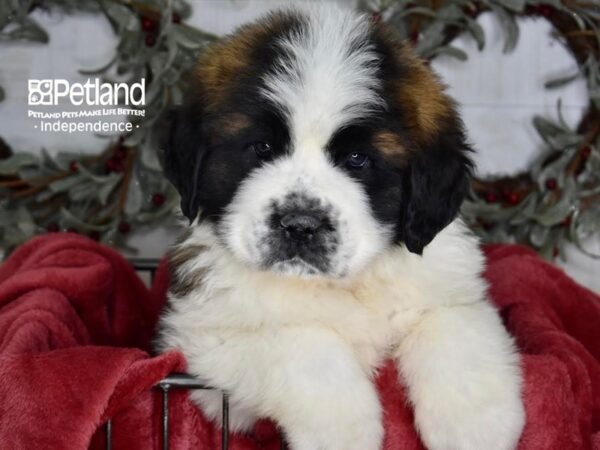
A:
391, 146
232, 124
415, 90
183, 282
222, 62
421, 95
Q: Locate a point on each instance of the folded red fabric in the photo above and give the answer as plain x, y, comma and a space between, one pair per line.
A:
75, 333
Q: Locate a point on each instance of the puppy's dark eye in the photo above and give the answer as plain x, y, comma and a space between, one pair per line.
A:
262, 149
357, 160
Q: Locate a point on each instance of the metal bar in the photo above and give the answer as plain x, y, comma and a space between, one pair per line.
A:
108, 434
148, 264
182, 381
165, 416
225, 423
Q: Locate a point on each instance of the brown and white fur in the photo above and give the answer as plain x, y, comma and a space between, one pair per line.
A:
322, 167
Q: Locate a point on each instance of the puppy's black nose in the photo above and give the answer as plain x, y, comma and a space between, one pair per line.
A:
301, 225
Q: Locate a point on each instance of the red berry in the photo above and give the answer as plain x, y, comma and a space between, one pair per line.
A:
71, 230
513, 198
414, 36
52, 227
147, 24
491, 197
110, 165
158, 199
73, 166
120, 154
113, 165
555, 252
176, 18
95, 235
474, 10
586, 152
545, 10
124, 227
551, 184
487, 226
567, 221
150, 40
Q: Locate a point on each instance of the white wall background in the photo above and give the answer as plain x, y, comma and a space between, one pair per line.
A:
498, 94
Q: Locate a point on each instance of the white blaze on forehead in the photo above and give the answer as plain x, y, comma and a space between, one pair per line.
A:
326, 75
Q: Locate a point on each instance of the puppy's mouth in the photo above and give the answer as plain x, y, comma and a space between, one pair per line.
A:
300, 242
296, 266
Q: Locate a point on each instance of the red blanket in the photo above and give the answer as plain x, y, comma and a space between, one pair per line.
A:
76, 324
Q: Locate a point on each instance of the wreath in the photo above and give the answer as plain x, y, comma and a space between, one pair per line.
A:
556, 200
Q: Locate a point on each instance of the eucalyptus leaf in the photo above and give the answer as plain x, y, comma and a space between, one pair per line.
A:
561, 81
44, 195
149, 156
48, 162
134, 200
579, 20
70, 220
14, 163
450, 13
509, 24
529, 205
552, 214
549, 246
546, 128
564, 141
477, 32
416, 10
134, 138
121, 16
25, 222
29, 31
451, 51
588, 223
189, 37
539, 235
83, 190
577, 240
99, 70
176, 95
64, 159
559, 112
99, 179
554, 170
431, 38
108, 187
513, 5
66, 183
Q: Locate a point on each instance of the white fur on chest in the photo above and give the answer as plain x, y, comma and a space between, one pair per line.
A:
371, 311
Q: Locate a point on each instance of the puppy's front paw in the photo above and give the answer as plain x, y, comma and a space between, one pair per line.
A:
366, 435
458, 422
344, 421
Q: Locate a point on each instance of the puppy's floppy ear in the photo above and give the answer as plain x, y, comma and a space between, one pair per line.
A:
437, 184
184, 149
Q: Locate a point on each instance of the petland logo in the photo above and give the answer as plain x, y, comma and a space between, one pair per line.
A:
91, 93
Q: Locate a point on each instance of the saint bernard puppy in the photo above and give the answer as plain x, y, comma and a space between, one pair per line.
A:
322, 166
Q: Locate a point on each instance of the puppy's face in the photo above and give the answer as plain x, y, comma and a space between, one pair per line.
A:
311, 141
